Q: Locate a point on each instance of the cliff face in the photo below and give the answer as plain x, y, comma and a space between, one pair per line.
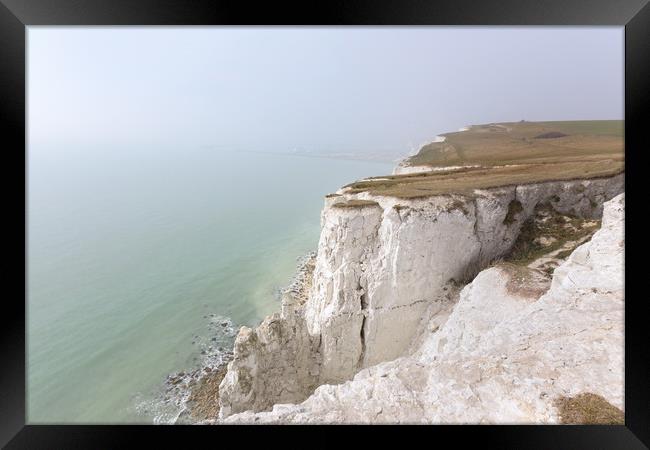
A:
381, 268
509, 350
386, 273
403, 169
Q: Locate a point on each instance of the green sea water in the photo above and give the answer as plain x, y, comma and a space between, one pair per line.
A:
131, 250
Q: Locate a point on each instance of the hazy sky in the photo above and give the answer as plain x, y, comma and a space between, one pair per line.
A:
323, 89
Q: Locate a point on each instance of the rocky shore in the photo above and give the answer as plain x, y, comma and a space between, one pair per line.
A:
195, 393
189, 396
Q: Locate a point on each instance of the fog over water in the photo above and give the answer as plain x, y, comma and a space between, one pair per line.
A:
325, 89
167, 177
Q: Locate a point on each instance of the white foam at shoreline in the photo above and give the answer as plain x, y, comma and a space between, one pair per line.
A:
168, 403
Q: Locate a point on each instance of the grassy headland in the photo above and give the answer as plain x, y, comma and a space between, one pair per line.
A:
501, 154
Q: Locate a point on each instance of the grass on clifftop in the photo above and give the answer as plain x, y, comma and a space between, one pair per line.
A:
524, 142
466, 180
355, 204
508, 154
588, 409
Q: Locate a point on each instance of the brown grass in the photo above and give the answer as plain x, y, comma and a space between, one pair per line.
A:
515, 142
588, 409
355, 204
588, 149
467, 180
550, 135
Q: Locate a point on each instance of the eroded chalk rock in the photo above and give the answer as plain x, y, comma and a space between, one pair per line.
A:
381, 269
503, 356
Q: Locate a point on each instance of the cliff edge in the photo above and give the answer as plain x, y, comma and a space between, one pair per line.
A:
504, 355
398, 310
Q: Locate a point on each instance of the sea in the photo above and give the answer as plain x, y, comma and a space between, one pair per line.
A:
143, 261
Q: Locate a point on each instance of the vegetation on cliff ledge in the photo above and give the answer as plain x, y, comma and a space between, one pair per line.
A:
588, 409
355, 204
548, 231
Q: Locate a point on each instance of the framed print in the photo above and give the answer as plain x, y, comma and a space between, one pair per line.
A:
354, 213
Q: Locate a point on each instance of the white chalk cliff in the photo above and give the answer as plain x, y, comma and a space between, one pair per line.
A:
384, 335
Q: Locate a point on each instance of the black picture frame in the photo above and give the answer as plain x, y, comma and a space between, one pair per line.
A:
16, 15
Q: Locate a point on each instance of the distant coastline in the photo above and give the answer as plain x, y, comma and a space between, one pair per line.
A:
337, 156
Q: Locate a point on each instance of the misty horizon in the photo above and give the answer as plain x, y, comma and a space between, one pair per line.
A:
321, 89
